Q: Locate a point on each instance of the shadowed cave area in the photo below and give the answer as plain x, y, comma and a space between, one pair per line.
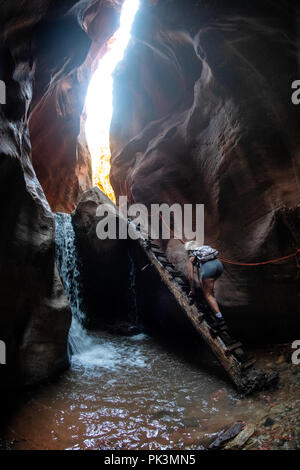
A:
202, 114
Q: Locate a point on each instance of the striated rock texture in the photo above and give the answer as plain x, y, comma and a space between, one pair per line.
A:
41, 42
203, 114
104, 265
119, 287
66, 57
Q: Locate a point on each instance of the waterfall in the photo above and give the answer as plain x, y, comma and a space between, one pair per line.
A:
90, 352
133, 308
66, 259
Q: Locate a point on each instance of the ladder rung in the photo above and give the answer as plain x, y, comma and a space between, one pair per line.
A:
154, 246
248, 364
223, 328
212, 331
233, 346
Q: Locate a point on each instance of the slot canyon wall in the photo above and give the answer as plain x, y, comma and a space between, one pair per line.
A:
203, 114
104, 266
120, 291
47, 50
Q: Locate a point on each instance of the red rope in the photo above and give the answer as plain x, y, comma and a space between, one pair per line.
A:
227, 261
277, 260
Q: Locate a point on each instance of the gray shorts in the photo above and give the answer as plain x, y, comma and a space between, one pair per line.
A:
211, 269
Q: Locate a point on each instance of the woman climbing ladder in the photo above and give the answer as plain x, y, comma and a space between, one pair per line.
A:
209, 269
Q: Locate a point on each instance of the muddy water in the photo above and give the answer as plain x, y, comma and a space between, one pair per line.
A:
133, 393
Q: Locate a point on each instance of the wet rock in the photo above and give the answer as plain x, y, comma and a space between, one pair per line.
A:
201, 447
104, 265
226, 435
269, 422
241, 439
124, 329
279, 409
281, 359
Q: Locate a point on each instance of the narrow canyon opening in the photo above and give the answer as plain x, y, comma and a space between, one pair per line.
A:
99, 101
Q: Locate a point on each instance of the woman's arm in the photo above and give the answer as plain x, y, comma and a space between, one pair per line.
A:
199, 275
191, 274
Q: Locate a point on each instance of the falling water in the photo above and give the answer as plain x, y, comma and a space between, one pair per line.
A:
66, 258
134, 313
91, 352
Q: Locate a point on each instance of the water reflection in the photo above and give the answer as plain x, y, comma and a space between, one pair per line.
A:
132, 393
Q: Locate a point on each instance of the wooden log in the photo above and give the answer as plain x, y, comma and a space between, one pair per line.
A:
234, 360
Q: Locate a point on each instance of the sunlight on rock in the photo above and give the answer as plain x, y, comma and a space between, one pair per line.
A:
101, 170
99, 100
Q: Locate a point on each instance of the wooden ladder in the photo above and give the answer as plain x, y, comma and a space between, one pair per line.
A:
228, 351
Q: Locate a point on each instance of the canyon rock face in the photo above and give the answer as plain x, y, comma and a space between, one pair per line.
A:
203, 114
119, 287
104, 264
44, 62
35, 315
66, 56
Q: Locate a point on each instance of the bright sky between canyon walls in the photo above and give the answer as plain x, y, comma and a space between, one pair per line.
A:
99, 97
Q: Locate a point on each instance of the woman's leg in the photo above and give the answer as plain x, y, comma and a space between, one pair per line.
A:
208, 291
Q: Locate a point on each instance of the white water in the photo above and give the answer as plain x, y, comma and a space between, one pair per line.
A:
89, 351
66, 259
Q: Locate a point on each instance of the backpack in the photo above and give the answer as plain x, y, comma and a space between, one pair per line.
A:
205, 253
